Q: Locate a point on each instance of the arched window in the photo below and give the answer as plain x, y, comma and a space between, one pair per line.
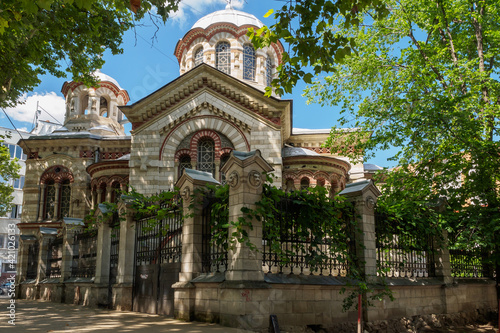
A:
85, 104
115, 192
320, 182
269, 71
290, 186
304, 183
223, 161
248, 62
50, 199
65, 198
103, 192
198, 56
206, 156
184, 163
103, 107
223, 57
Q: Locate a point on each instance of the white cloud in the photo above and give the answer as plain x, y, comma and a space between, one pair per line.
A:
196, 9
52, 103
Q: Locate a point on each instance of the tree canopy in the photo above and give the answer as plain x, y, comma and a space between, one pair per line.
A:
425, 79
38, 37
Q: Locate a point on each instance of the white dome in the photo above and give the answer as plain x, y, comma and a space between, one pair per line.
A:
104, 77
228, 15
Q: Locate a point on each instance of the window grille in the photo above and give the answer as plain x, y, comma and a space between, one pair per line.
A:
206, 156
269, 71
198, 56
65, 198
223, 57
248, 62
50, 198
184, 163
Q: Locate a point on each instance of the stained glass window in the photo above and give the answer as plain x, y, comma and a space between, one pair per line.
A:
206, 156
65, 198
50, 199
184, 162
269, 71
248, 62
198, 56
223, 57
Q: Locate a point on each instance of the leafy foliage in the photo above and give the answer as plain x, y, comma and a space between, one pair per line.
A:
38, 37
314, 44
424, 79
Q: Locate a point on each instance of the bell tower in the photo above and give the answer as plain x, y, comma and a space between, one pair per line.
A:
95, 109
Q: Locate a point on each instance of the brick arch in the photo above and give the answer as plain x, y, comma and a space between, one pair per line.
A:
181, 152
202, 135
225, 151
114, 179
193, 124
58, 173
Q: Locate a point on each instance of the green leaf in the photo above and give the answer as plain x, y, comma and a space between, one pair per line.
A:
269, 12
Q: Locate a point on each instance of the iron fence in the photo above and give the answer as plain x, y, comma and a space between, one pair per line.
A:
214, 236
470, 264
159, 241
115, 242
299, 251
402, 254
54, 258
84, 254
32, 269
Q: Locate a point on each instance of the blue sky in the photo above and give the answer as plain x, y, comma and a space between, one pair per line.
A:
146, 65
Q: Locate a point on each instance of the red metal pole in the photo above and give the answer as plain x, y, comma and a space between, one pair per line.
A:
359, 313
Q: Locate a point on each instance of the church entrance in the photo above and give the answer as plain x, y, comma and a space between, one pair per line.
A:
158, 250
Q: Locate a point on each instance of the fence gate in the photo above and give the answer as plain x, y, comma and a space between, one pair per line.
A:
113, 258
158, 251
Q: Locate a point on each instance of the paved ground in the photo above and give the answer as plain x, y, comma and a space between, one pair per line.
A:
35, 316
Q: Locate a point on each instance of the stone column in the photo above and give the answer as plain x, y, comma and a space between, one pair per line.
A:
101, 280
190, 184
122, 290
108, 193
42, 202
56, 201
364, 196
99, 197
71, 226
244, 176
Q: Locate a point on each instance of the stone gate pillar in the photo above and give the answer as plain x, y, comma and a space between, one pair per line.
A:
244, 296
122, 290
103, 256
190, 184
244, 176
70, 227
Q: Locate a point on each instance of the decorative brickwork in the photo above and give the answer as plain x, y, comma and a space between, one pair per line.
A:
57, 173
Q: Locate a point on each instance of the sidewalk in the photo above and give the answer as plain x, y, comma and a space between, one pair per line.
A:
36, 316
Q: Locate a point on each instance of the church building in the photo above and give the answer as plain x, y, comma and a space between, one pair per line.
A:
216, 105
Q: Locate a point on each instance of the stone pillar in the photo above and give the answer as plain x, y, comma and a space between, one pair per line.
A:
244, 176
190, 184
101, 280
22, 257
71, 226
41, 207
99, 197
56, 201
108, 194
364, 196
122, 290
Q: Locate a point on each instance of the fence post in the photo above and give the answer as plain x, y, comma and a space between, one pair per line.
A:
364, 196
441, 256
122, 290
45, 236
244, 176
189, 184
103, 256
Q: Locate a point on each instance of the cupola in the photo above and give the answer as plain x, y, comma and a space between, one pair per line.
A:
219, 39
95, 109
